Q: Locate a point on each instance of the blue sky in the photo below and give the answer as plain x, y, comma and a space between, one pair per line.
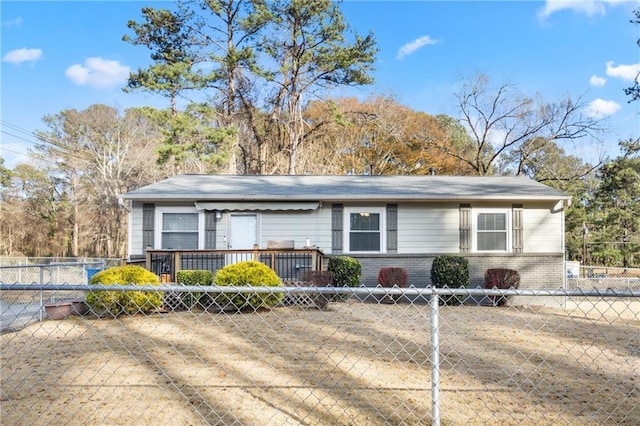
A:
70, 54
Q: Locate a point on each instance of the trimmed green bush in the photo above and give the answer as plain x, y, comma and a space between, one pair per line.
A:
502, 279
196, 277
346, 271
247, 273
120, 302
450, 272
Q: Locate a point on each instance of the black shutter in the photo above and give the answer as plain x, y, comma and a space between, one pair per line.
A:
148, 220
336, 227
392, 228
210, 230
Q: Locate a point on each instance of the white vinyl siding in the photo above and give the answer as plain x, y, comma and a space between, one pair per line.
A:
135, 226
428, 228
542, 229
423, 228
297, 226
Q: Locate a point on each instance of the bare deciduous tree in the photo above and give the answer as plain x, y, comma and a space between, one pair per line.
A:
500, 120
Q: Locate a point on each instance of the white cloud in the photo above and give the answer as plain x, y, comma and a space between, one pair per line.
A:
588, 7
600, 108
414, 45
597, 81
16, 22
19, 56
625, 72
98, 72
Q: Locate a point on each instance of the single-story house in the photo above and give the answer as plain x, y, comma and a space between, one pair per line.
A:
402, 221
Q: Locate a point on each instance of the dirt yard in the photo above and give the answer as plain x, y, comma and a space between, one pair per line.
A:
351, 364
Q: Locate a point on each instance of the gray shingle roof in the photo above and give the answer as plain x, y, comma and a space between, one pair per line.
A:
343, 188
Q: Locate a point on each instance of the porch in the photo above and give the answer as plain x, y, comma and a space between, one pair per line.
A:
289, 264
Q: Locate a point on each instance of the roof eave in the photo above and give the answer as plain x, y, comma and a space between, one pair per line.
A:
342, 198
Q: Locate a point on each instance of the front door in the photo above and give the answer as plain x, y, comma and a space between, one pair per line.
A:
243, 231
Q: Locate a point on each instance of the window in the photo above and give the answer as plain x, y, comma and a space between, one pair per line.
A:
180, 231
179, 228
491, 231
365, 233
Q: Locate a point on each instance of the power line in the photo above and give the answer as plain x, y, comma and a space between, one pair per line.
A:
18, 137
18, 129
28, 156
39, 139
15, 127
15, 152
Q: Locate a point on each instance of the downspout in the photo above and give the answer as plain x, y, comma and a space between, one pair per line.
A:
122, 203
565, 205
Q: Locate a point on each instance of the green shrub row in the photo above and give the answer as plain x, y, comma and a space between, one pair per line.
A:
249, 273
447, 271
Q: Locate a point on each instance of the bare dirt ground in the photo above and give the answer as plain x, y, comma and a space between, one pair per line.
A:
351, 364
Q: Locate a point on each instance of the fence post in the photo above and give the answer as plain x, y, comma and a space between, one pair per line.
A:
435, 359
41, 293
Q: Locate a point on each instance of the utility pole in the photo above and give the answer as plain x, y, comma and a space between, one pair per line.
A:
625, 240
585, 231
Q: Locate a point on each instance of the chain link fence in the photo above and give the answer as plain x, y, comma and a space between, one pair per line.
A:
22, 309
369, 356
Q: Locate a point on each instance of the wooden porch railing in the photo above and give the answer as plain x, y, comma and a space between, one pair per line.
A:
289, 264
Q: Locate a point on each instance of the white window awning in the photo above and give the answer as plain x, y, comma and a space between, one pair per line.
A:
233, 206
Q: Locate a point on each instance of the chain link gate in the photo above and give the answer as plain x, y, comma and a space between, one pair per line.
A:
370, 356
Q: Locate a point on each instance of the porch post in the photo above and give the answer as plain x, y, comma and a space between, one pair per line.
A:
176, 265
314, 260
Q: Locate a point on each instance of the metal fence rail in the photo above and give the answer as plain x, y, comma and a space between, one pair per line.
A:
44, 271
367, 358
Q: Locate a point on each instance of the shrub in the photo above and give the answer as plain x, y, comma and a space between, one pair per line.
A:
119, 302
247, 273
319, 279
450, 272
392, 277
502, 279
346, 271
196, 277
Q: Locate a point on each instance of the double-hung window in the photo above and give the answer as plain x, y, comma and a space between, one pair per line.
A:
492, 230
180, 229
365, 233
